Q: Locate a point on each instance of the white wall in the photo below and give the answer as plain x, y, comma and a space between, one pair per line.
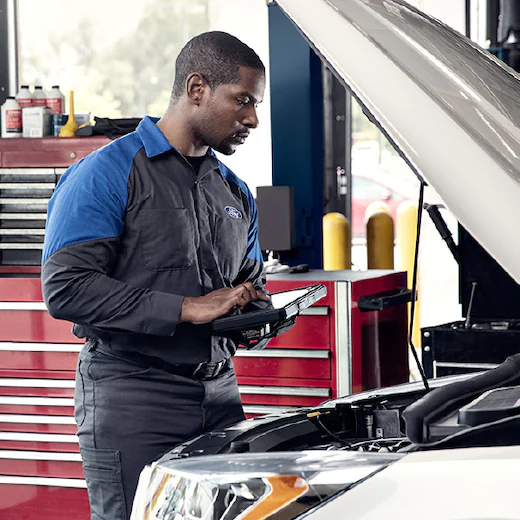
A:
247, 20
451, 12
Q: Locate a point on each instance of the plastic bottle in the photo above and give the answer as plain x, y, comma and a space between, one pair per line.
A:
40, 97
11, 114
24, 97
70, 127
56, 100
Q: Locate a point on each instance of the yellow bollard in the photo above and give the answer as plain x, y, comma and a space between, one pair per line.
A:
406, 227
376, 207
380, 236
336, 242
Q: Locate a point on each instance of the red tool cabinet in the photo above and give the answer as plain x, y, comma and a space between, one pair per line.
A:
333, 349
40, 467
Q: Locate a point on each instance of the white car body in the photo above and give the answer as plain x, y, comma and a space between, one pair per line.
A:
463, 484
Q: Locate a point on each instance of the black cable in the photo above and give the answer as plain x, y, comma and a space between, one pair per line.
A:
414, 287
328, 432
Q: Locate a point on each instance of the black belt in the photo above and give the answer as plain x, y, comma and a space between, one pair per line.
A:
199, 371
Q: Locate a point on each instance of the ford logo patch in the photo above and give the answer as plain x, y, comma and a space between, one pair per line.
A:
233, 212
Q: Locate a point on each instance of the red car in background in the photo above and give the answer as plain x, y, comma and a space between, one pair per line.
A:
366, 189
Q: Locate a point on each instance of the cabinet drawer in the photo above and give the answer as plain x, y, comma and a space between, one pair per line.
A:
310, 331
35, 392
38, 356
33, 325
12, 424
312, 364
47, 152
283, 396
36, 499
23, 465
39, 446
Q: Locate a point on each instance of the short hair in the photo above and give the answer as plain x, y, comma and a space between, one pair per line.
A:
217, 56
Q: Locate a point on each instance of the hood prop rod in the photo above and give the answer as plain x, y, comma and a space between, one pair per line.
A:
414, 287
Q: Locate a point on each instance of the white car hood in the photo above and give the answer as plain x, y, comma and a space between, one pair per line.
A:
452, 108
476, 484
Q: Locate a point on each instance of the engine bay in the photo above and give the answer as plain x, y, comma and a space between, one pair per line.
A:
461, 411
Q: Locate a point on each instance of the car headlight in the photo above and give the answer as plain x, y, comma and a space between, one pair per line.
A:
249, 486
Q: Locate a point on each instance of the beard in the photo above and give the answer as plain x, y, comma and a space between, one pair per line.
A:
229, 145
207, 130
226, 147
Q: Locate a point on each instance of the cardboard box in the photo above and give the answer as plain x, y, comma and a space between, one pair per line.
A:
36, 121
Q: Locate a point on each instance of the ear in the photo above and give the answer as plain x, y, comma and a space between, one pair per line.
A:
196, 87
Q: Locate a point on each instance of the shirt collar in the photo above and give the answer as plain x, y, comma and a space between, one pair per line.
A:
155, 142
153, 139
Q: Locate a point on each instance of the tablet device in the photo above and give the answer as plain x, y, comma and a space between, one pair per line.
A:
284, 305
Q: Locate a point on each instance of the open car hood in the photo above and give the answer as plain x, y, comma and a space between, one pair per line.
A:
451, 107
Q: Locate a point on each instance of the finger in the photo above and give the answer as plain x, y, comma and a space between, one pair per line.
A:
246, 292
251, 290
241, 302
258, 294
237, 297
246, 297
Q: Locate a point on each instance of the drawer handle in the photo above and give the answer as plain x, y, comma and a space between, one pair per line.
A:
315, 311
384, 300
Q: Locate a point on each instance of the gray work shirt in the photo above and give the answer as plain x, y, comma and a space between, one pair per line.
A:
131, 230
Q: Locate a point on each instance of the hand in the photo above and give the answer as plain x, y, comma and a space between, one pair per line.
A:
203, 309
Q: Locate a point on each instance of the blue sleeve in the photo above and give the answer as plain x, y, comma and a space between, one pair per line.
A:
90, 200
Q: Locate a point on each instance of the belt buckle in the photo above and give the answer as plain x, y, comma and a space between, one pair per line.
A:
217, 367
199, 366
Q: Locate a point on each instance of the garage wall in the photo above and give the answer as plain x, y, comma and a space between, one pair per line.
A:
451, 12
247, 20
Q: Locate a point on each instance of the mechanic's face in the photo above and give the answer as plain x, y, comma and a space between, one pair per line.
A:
227, 114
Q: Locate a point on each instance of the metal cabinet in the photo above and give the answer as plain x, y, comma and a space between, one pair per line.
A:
40, 467
29, 172
333, 349
41, 476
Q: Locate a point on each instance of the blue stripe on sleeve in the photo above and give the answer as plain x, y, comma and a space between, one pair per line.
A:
253, 247
90, 200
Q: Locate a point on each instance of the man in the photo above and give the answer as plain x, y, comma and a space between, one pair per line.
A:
148, 240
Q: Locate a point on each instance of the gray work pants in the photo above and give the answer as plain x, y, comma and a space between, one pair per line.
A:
129, 414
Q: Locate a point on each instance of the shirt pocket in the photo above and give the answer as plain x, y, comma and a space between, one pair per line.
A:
230, 242
167, 239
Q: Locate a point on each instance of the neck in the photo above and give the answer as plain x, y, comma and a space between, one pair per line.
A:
177, 129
